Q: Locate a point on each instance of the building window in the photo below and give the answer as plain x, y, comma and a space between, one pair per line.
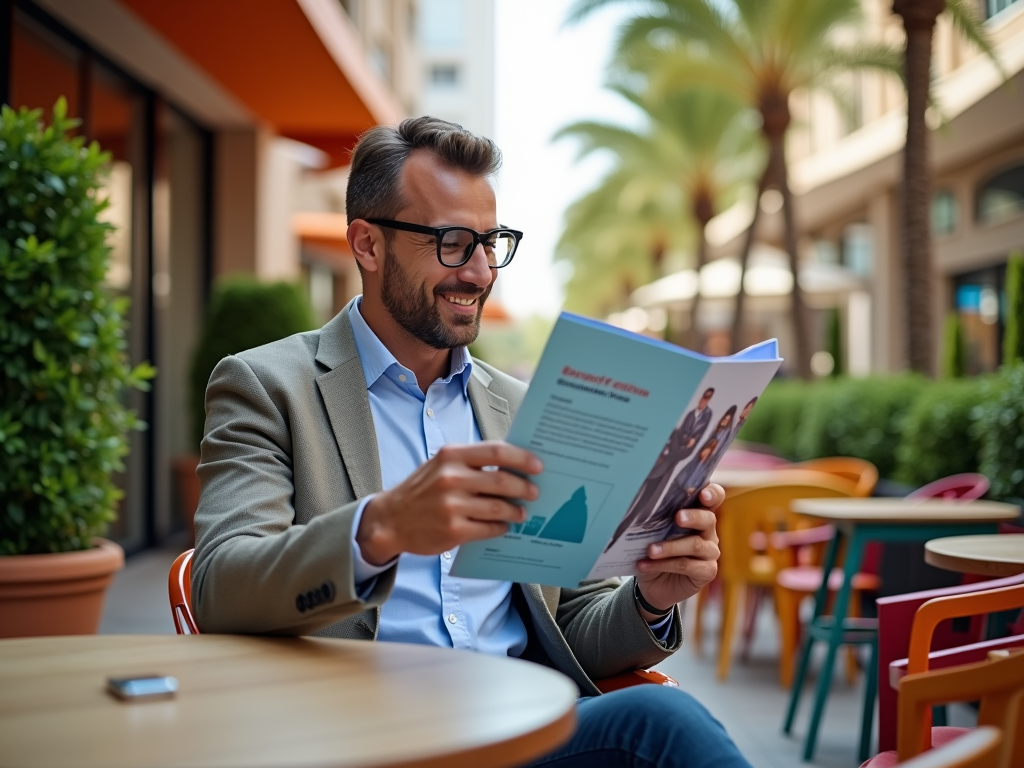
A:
444, 75
944, 213
1001, 198
981, 304
992, 7
858, 249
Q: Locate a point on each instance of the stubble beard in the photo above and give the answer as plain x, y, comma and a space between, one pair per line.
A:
416, 308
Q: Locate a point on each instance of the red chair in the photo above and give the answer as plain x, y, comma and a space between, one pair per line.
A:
965, 487
895, 619
179, 590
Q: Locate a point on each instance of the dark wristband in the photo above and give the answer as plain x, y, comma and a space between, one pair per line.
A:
647, 606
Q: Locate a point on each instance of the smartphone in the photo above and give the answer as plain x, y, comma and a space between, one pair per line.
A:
143, 687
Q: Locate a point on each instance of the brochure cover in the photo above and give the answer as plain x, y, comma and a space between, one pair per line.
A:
629, 429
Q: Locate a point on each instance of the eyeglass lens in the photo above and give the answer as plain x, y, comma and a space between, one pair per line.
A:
456, 248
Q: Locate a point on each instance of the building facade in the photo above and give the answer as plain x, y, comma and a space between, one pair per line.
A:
216, 114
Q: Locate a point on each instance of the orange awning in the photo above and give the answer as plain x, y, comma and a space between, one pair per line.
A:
296, 64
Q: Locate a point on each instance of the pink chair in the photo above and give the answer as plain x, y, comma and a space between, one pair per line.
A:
966, 487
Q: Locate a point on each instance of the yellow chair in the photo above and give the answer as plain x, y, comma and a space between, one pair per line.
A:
753, 513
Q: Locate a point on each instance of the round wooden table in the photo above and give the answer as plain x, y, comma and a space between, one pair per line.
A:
995, 555
248, 701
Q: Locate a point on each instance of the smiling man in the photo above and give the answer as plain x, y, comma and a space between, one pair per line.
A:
342, 469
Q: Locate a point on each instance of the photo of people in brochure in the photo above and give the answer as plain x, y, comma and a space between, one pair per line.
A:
683, 467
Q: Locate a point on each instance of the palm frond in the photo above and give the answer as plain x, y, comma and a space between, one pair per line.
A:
968, 25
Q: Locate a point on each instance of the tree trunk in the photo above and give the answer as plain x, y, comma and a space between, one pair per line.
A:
703, 212
919, 18
736, 337
798, 309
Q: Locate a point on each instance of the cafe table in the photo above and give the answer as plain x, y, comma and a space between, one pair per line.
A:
992, 555
260, 702
859, 521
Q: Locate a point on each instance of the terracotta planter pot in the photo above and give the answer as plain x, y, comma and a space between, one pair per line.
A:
187, 482
59, 594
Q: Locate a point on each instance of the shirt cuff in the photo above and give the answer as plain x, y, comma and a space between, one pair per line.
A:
365, 573
662, 627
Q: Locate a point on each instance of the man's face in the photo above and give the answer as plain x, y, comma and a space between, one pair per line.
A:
438, 305
703, 403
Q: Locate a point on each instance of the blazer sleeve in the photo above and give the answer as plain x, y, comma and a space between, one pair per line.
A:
255, 569
606, 632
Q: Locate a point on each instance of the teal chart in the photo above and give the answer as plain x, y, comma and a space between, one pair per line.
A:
566, 509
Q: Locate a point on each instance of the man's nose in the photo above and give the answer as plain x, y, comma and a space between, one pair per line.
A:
477, 270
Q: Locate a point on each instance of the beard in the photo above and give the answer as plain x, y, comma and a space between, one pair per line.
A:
417, 311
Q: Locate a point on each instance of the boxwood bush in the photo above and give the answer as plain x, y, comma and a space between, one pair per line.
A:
243, 314
64, 373
938, 439
999, 429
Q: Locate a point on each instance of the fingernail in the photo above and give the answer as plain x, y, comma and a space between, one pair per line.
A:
655, 550
705, 496
683, 516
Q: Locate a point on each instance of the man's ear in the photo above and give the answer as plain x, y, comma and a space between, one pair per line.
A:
367, 244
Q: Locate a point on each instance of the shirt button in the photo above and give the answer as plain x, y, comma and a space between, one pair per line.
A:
430, 412
447, 555
451, 618
401, 377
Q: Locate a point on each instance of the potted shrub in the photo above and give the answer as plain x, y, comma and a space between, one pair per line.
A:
243, 314
64, 375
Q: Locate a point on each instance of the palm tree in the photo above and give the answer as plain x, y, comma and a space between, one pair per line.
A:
919, 17
696, 140
760, 52
617, 237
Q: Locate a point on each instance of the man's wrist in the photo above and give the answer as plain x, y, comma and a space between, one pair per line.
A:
647, 610
375, 539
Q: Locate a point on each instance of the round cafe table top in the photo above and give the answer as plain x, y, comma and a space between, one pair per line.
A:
251, 701
904, 511
996, 555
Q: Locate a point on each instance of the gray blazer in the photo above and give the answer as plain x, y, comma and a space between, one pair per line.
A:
289, 450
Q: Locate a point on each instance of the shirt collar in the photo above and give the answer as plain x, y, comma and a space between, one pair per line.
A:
377, 358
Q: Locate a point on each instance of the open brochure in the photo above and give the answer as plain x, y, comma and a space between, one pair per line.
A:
629, 429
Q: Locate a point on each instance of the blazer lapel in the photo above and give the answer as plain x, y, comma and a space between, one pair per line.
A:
343, 389
491, 410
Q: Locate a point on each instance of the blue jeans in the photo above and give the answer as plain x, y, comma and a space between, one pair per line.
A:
646, 726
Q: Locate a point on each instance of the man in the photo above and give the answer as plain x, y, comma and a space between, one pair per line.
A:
342, 468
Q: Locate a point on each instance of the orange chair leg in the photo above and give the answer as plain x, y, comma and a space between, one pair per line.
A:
852, 666
787, 605
730, 605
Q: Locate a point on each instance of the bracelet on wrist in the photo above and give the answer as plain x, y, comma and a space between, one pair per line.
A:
638, 596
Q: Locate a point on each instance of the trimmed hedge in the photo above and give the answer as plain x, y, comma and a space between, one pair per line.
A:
913, 429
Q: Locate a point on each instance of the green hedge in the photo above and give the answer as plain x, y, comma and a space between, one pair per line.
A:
913, 429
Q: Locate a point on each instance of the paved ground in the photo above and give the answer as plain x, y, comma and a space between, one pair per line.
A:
750, 704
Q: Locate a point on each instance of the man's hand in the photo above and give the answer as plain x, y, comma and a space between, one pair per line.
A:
676, 570
449, 500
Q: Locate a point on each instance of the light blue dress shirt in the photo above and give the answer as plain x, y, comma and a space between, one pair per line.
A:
427, 605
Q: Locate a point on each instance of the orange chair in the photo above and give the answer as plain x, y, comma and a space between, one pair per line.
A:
997, 682
863, 473
745, 514
179, 590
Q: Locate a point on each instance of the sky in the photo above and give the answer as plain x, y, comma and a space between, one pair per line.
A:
548, 75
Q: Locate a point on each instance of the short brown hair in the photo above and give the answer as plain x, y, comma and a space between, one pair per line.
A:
375, 174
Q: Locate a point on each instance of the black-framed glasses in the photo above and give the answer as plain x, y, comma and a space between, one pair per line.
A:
455, 245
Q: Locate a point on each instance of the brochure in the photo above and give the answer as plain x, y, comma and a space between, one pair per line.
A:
629, 429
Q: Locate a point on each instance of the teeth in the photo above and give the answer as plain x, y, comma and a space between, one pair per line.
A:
463, 302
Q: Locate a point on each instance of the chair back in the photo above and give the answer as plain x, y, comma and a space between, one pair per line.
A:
737, 458
179, 590
965, 487
862, 473
998, 683
764, 509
